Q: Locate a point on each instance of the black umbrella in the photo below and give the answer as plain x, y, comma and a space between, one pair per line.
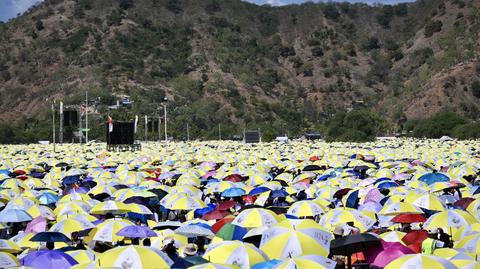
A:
350, 244
312, 167
50, 237
160, 193
361, 168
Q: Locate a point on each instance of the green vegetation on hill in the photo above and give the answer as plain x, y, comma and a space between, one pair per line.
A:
239, 65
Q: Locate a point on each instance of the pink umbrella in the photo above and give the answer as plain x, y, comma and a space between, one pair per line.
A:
374, 195
211, 173
387, 252
37, 225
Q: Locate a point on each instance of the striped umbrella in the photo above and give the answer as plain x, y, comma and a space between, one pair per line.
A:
420, 261
237, 253
134, 257
294, 238
256, 217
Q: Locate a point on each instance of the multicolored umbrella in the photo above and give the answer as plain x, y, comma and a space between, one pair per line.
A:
134, 257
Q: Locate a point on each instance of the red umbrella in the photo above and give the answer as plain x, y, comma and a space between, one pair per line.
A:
226, 205
215, 215
417, 248
464, 202
234, 178
219, 224
340, 193
409, 218
415, 237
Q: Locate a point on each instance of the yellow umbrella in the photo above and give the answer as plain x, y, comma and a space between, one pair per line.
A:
420, 261
470, 243
7, 260
110, 207
256, 217
452, 218
9, 246
339, 216
107, 230
134, 257
244, 255
69, 226
307, 261
393, 209
307, 208
292, 238
82, 256
181, 202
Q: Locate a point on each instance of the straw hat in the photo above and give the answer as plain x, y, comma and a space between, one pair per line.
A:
190, 249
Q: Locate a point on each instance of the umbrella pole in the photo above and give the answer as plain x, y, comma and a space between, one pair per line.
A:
349, 262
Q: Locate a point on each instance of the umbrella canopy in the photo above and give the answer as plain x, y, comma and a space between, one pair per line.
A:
420, 261
470, 243
306, 261
409, 218
295, 238
48, 259
50, 237
306, 208
14, 215
431, 178
213, 266
231, 232
135, 231
255, 217
195, 230
7, 260
388, 252
243, 255
134, 257
350, 244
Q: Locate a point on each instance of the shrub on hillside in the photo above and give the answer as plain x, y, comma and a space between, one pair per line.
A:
467, 131
432, 26
476, 88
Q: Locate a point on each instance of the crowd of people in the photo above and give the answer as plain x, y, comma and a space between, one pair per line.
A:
386, 204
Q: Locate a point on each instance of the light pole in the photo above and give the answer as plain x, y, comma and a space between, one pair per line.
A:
53, 126
165, 116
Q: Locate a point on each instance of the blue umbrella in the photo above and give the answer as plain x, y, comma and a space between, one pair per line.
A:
14, 215
278, 193
258, 190
48, 259
205, 210
387, 184
135, 231
352, 200
382, 179
233, 192
69, 180
431, 178
266, 265
47, 198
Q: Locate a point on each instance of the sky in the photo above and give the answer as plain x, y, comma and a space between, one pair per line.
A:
10, 8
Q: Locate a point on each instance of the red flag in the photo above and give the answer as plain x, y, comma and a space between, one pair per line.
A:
110, 124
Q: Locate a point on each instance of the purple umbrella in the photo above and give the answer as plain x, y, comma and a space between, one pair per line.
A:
374, 195
134, 231
82, 190
387, 252
48, 259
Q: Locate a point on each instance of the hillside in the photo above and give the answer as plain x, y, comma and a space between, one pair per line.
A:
236, 64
